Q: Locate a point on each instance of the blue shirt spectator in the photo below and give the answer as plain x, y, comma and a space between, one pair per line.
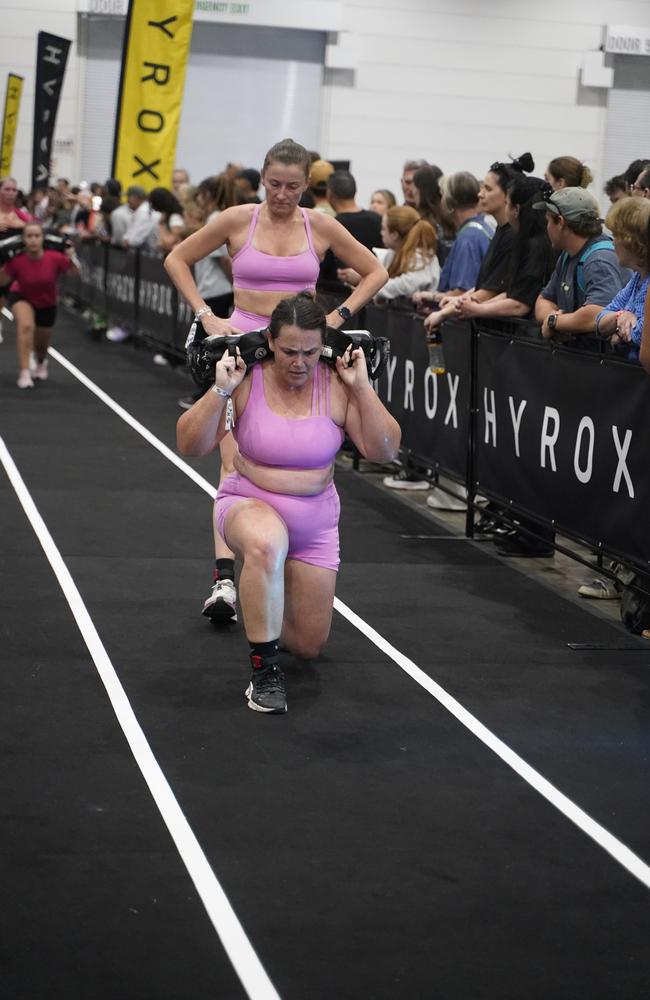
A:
467, 252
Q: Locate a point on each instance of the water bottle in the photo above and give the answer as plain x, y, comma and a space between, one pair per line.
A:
436, 354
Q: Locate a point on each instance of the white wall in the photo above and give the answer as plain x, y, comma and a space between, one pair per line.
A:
20, 26
465, 82
459, 82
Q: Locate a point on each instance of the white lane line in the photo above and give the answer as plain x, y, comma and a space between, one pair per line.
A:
614, 847
238, 948
135, 424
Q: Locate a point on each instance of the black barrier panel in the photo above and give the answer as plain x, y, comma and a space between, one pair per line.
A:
92, 265
432, 410
562, 436
121, 285
156, 301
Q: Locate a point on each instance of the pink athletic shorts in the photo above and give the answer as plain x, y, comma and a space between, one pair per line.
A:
246, 321
312, 522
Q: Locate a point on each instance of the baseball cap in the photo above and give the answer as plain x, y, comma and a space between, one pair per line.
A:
319, 173
572, 203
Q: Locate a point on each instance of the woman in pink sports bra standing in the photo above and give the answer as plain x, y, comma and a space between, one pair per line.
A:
279, 509
276, 249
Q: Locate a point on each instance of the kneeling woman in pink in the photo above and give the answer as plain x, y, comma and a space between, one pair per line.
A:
279, 509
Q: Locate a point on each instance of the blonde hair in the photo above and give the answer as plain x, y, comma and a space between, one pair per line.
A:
417, 235
629, 222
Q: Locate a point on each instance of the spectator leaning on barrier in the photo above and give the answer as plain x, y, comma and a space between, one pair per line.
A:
588, 273
531, 260
567, 171
622, 319
411, 260
493, 272
461, 202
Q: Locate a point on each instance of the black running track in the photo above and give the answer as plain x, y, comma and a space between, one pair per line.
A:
370, 845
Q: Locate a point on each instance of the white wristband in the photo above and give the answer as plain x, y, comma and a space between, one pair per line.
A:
221, 392
202, 312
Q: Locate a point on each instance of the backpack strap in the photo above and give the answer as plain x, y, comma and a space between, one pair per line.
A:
605, 244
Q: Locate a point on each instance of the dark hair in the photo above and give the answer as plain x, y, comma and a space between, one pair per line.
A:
290, 153
252, 176
342, 185
113, 187
633, 171
616, 183
643, 180
162, 200
505, 173
531, 239
426, 179
220, 191
300, 310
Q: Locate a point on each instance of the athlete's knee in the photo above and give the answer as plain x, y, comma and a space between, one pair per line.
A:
268, 551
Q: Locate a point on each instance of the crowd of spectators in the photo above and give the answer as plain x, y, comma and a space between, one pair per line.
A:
511, 244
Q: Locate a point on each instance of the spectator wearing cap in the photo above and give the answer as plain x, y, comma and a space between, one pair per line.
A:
320, 173
248, 182
641, 186
622, 319
588, 273
408, 173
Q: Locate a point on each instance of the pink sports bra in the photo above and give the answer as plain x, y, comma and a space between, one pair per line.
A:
255, 271
290, 442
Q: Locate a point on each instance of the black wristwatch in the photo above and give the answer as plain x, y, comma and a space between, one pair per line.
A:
551, 321
344, 313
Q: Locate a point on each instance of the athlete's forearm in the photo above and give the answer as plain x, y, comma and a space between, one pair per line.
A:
181, 275
379, 432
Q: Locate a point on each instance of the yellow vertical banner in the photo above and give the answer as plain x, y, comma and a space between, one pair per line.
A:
10, 122
154, 57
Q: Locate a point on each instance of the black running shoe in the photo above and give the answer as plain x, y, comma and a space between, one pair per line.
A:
266, 691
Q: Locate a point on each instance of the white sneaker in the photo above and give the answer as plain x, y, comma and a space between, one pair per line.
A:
116, 334
25, 380
404, 480
40, 370
221, 605
602, 588
441, 500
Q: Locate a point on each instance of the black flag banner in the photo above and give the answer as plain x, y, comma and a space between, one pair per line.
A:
51, 58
